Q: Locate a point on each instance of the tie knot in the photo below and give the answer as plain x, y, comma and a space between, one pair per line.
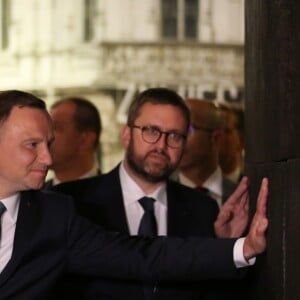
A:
2, 208
147, 203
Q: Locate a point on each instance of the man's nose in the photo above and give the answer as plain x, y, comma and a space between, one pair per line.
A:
162, 141
45, 156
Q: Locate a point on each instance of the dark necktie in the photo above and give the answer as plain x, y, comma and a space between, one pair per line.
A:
2, 210
148, 226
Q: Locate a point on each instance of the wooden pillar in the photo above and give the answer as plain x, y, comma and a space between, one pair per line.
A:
272, 66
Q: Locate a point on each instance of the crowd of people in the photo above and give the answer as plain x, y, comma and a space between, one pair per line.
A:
163, 224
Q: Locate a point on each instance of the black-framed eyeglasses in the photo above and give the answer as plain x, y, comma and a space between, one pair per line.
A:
193, 128
152, 134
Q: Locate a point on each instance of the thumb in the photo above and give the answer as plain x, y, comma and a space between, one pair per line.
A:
262, 226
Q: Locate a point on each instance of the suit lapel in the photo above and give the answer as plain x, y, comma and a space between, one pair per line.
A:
178, 213
26, 224
115, 203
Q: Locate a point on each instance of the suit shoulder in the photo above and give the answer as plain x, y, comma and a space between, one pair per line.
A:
79, 184
183, 189
186, 193
48, 194
45, 198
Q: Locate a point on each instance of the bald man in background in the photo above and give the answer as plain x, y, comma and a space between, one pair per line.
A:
232, 146
199, 167
77, 130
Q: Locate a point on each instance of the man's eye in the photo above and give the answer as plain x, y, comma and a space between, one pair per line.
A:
175, 136
151, 130
32, 144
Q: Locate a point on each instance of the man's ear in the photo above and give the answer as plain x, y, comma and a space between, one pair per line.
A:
88, 138
125, 136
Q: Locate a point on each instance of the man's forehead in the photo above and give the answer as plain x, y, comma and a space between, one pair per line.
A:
148, 107
165, 120
27, 114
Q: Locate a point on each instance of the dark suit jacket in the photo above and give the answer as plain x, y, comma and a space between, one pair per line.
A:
51, 239
48, 185
190, 213
228, 186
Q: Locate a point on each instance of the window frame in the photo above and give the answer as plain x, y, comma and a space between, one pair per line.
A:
181, 19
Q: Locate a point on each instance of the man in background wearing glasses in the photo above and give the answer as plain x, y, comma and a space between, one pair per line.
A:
199, 166
154, 139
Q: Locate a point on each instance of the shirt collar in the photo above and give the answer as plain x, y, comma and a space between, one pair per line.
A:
94, 171
186, 181
214, 182
132, 192
12, 205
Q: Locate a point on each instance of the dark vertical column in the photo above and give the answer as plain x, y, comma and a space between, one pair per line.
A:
272, 56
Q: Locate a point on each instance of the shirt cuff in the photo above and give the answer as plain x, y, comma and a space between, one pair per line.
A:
238, 255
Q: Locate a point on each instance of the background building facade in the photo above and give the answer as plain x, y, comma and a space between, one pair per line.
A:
107, 50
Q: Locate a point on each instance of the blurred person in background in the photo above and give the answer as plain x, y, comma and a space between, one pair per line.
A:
77, 130
232, 146
200, 166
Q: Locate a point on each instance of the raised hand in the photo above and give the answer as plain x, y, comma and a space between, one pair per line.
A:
234, 214
255, 242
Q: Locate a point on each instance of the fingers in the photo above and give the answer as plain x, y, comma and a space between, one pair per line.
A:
223, 218
261, 206
255, 242
239, 191
262, 226
244, 203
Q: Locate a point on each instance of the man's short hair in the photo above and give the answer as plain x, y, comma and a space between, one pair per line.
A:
11, 98
162, 96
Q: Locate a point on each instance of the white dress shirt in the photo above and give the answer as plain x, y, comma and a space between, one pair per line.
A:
8, 228
134, 211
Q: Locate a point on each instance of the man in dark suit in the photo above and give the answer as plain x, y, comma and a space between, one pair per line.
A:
42, 237
154, 139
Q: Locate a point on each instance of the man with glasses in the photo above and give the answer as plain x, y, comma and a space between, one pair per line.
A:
154, 139
199, 167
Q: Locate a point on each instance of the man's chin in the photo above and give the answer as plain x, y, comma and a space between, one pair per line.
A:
38, 184
157, 175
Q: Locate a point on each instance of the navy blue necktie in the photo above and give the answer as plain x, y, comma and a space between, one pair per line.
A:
2, 210
148, 226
